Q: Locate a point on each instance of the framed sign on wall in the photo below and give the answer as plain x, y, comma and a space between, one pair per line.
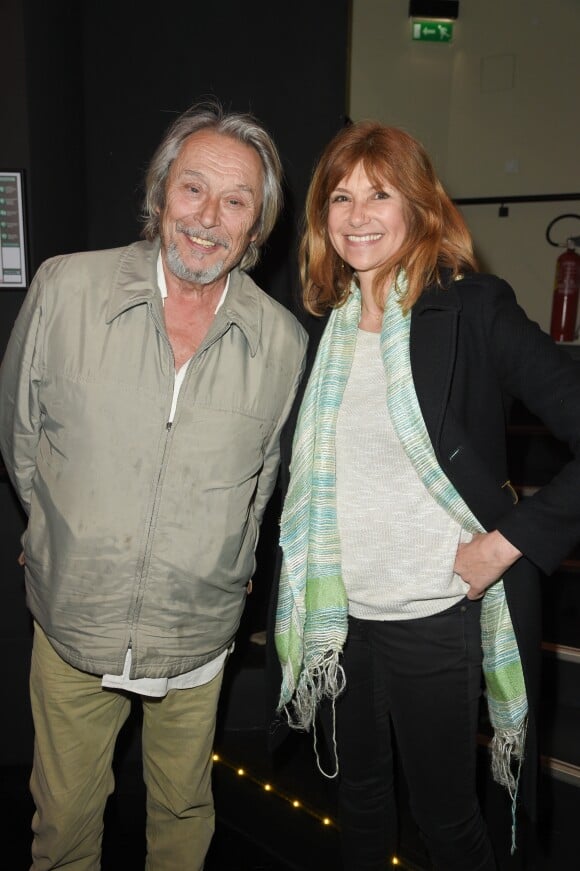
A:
13, 249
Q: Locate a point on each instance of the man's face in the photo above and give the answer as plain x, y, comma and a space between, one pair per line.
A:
212, 202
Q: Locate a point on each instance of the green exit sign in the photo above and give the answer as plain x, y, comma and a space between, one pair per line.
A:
433, 31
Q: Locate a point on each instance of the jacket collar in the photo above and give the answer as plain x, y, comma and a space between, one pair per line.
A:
443, 297
242, 307
135, 280
135, 283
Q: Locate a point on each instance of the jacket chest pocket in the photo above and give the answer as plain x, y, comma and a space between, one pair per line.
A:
218, 449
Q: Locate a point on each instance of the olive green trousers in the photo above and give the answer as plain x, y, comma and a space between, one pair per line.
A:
76, 725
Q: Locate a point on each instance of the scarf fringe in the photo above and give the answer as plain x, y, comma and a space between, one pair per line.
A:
507, 746
324, 678
507, 749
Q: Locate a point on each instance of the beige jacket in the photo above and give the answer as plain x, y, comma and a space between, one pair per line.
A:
141, 533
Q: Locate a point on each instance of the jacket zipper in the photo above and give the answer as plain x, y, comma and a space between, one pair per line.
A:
160, 472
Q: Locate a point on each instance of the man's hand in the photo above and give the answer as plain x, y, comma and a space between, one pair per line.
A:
483, 561
21, 560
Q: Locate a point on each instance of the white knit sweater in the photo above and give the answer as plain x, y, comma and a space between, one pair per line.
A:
397, 544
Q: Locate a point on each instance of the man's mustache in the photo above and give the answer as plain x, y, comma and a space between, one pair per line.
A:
201, 234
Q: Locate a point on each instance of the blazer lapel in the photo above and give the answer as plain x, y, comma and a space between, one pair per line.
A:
433, 344
434, 336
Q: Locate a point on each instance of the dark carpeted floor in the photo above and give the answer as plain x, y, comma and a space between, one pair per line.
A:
289, 826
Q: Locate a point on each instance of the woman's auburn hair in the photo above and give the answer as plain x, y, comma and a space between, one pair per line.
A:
437, 235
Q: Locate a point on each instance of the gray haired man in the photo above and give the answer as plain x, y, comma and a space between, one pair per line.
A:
142, 396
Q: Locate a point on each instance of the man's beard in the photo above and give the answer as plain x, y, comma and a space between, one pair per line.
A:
192, 276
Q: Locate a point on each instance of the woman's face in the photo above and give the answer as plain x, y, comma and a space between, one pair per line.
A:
366, 223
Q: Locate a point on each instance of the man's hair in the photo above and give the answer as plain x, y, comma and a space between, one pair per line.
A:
436, 232
244, 128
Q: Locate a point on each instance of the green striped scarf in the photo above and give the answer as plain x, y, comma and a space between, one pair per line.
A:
312, 616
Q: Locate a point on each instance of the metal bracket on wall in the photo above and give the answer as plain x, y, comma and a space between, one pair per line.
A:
527, 198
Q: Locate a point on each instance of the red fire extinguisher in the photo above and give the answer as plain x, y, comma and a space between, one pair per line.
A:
565, 299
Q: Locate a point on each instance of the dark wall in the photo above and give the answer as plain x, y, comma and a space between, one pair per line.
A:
14, 141
92, 87
284, 62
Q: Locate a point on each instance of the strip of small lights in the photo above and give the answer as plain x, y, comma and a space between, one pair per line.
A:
296, 803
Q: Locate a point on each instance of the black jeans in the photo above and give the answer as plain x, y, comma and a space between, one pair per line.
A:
421, 678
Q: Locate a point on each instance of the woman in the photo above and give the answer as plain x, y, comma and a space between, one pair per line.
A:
401, 535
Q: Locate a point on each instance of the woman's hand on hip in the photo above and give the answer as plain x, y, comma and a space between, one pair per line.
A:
483, 560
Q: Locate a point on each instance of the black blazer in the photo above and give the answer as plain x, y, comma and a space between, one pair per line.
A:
473, 352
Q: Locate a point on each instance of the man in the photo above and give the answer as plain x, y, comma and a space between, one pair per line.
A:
142, 396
